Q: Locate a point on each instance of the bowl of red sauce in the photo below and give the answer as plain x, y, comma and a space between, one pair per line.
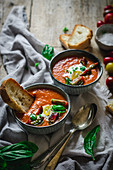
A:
75, 71
48, 112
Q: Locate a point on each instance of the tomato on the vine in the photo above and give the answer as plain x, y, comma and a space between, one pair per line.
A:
99, 23
109, 82
108, 7
108, 19
109, 68
107, 60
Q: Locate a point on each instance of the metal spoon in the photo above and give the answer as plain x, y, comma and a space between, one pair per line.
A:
82, 119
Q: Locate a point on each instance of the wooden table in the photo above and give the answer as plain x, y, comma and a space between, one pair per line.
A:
47, 18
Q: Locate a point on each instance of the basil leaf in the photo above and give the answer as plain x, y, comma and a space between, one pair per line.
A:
24, 145
48, 52
58, 108
3, 163
15, 155
65, 29
89, 141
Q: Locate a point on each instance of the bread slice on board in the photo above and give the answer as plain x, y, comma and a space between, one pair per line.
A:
80, 37
16, 96
64, 40
109, 107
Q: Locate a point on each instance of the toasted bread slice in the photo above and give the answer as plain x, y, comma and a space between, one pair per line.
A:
80, 37
16, 96
64, 40
109, 107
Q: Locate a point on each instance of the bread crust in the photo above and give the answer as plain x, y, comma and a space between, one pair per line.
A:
7, 98
83, 44
64, 42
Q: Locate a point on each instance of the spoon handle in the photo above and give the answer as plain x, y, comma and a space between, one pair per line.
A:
46, 156
52, 164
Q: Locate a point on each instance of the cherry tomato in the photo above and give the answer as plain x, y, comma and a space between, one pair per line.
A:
107, 60
99, 23
107, 11
109, 82
109, 68
108, 19
110, 54
108, 7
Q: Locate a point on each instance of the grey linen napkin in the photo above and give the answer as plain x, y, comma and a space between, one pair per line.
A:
20, 51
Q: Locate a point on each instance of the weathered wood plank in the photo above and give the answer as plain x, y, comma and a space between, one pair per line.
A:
7, 5
49, 17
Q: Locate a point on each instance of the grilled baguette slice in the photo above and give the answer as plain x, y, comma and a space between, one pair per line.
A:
109, 106
16, 96
64, 40
80, 37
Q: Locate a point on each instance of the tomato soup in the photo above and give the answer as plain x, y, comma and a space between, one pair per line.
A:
75, 70
49, 106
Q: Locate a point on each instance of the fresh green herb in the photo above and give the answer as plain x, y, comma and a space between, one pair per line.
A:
40, 115
65, 29
67, 71
48, 52
33, 116
58, 108
89, 141
82, 68
70, 72
68, 80
36, 64
17, 156
76, 68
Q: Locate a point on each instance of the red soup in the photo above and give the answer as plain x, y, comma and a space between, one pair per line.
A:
49, 106
75, 70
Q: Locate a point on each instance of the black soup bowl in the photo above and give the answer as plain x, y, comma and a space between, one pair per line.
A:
52, 127
75, 89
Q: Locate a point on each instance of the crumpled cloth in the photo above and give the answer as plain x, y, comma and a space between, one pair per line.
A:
20, 51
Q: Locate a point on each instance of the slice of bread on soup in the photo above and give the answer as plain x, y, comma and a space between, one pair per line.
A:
16, 96
79, 39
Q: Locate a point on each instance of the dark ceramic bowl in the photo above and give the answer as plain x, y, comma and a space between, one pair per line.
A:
78, 89
45, 129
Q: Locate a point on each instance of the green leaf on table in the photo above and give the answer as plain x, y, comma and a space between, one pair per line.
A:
65, 29
3, 163
18, 154
48, 52
36, 64
89, 141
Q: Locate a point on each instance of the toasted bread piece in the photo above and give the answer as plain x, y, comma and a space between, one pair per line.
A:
80, 37
109, 107
64, 40
16, 96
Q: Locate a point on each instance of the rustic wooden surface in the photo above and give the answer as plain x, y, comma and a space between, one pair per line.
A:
47, 18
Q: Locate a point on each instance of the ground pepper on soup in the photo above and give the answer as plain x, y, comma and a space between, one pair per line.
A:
75, 70
49, 106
